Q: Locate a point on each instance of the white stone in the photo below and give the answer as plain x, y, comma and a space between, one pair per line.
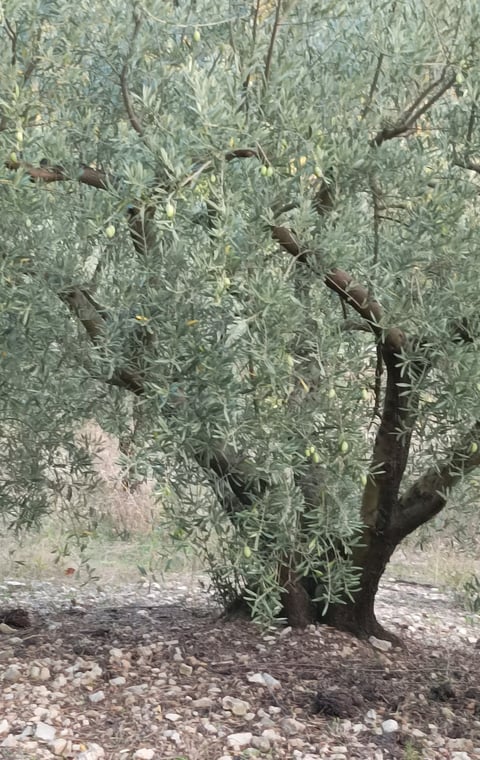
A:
118, 681
203, 703
239, 741
264, 679
12, 673
4, 628
9, 741
144, 754
236, 706
274, 710
271, 682
210, 728
44, 732
358, 728
174, 736
4, 727
34, 673
97, 696
290, 726
272, 735
173, 717
61, 747
389, 726
185, 670
381, 644
261, 743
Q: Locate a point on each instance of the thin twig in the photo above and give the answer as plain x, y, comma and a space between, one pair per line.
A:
407, 120
376, 223
246, 83
127, 98
373, 86
383, 217
276, 23
378, 68
13, 39
472, 166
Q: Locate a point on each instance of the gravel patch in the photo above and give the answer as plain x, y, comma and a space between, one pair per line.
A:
149, 672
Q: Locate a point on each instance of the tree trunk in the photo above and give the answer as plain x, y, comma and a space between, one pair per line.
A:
358, 615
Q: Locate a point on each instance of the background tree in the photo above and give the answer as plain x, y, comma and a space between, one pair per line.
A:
246, 237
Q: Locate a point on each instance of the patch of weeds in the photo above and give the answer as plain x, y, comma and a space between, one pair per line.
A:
470, 594
411, 752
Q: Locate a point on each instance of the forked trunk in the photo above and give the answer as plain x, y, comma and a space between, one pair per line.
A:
357, 616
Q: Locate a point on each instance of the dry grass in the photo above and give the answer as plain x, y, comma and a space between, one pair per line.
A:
439, 564
128, 511
106, 540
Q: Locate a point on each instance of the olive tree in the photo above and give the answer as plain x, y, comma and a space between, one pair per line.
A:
243, 235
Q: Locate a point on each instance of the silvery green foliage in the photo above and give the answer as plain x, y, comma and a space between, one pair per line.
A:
244, 353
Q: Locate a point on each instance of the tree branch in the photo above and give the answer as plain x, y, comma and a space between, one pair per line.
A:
471, 123
428, 495
141, 228
427, 98
93, 317
355, 295
392, 445
46, 173
87, 312
246, 83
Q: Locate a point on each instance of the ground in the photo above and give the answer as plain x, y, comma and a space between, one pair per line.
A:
150, 671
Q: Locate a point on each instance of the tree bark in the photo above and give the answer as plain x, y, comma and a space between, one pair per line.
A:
357, 615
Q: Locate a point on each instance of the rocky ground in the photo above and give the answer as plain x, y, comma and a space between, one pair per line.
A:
151, 673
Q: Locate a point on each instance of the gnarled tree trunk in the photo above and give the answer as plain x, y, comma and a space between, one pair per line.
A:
358, 614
